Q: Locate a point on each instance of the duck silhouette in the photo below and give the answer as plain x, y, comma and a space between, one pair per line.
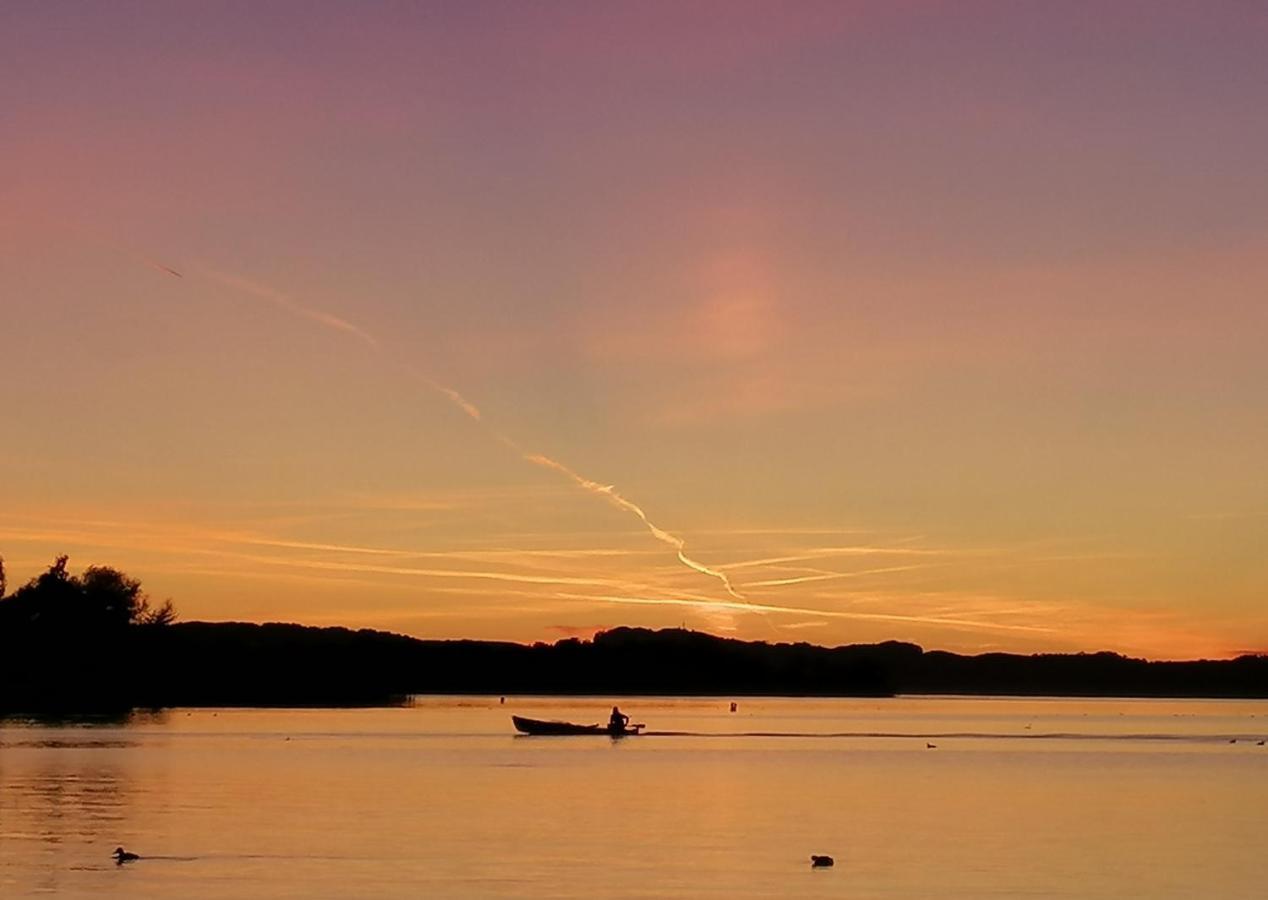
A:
820, 862
121, 856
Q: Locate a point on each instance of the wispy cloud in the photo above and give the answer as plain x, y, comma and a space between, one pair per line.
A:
814, 553
290, 304
831, 576
607, 491
739, 606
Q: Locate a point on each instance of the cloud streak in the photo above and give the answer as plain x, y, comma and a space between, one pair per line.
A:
288, 303
606, 491
745, 606
831, 576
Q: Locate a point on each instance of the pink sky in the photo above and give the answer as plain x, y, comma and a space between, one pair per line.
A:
939, 322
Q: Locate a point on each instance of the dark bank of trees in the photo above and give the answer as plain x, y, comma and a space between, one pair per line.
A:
235, 663
94, 642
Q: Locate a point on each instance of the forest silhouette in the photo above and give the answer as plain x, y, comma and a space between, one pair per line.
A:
94, 642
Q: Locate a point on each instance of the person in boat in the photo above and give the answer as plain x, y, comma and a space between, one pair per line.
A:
618, 720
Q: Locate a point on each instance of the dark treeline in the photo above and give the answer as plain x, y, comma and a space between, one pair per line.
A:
93, 642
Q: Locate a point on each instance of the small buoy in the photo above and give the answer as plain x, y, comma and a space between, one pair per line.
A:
820, 862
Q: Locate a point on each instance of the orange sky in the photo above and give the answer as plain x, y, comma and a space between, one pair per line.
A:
915, 321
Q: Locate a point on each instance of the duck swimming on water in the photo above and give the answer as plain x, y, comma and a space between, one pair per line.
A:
121, 856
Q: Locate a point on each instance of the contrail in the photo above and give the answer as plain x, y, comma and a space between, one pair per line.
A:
159, 267
948, 621
607, 491
117, 246
277, 298
813, 553
513, 577
458, 400
137, 256
830, 576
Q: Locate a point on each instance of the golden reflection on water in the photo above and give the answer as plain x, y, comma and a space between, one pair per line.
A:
72, 792
1055, 798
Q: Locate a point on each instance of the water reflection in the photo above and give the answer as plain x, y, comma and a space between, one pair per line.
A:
65, 790
66, 744
1059, 798
84, 720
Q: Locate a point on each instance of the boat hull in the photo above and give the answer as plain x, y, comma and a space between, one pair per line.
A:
541, 726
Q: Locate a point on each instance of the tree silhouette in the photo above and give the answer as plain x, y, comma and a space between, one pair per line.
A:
83, 642
99, 601
117, 600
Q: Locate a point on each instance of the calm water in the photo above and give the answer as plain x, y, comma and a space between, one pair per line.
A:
1020, 798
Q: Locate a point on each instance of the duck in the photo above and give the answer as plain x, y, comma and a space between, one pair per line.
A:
121, 856
820, 862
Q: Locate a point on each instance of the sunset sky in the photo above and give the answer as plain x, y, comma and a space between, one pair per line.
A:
941, 322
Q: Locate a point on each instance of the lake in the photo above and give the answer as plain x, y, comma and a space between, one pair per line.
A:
1018, 798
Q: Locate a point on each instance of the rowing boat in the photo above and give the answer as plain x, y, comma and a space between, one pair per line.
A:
541, 726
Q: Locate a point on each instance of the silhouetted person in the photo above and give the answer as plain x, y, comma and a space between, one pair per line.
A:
122, 856
617, 721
